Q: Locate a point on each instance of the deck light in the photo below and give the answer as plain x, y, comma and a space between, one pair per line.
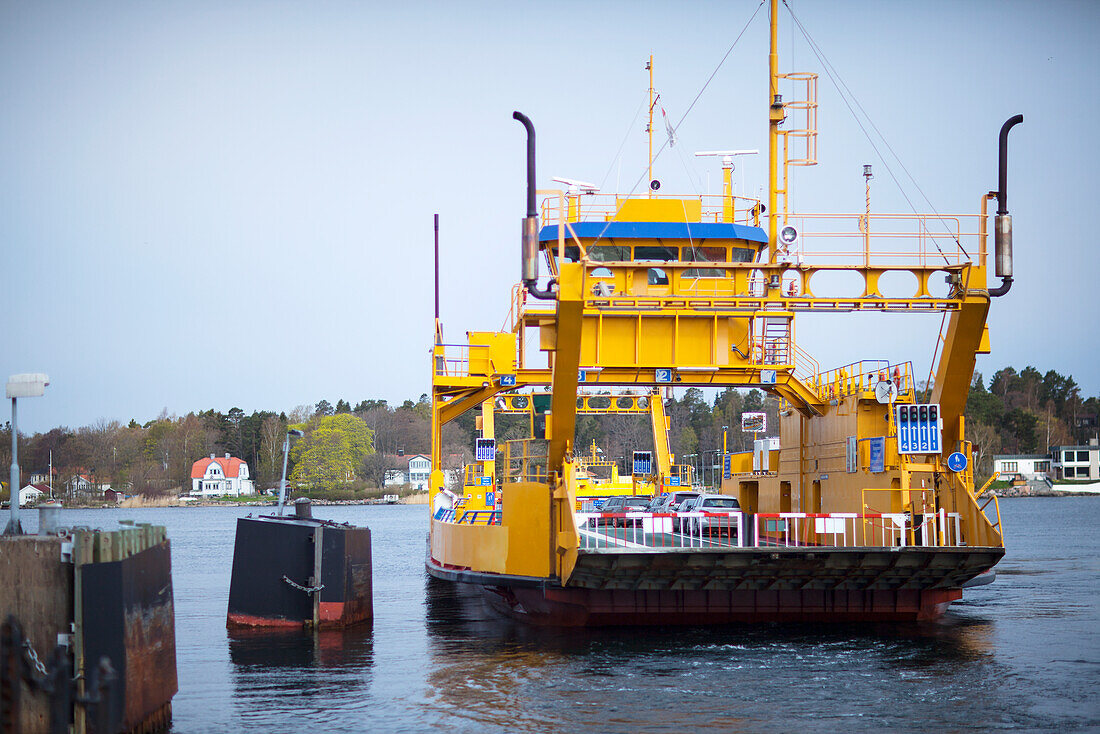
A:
31, 385
286, 450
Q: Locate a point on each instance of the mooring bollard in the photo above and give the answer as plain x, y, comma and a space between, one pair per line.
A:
48, 514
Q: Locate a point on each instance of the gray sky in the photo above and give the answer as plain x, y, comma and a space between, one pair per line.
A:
218, 204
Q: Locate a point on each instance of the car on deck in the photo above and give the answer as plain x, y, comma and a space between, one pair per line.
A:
716, 518
621, 504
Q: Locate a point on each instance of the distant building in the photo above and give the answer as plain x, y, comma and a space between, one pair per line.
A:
1076, 462
1022, 466
80, 484
42, 477
33, 493
215, 477
416, 474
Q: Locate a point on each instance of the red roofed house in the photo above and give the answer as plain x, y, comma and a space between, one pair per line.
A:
216, 477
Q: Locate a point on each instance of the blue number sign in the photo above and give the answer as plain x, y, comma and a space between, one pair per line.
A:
662, 375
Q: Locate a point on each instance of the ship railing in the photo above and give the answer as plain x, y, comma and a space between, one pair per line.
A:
805, 366
855, 530
557, 210
634, 283
469, 517
473, 474
687, 530
523, 460
888, 240
453, 360
861, 377
480, 517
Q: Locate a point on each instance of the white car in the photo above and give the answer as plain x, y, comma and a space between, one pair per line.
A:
716, 518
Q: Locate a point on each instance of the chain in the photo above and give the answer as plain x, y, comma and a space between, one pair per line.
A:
307, 589
32, 658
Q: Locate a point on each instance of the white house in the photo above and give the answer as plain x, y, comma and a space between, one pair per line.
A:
1077, 462
33, 493
1022, 466
215, 477
416, 475
80, 484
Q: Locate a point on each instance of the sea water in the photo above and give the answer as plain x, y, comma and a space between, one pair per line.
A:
1023, 652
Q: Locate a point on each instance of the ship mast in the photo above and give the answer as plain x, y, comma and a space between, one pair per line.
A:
775, 117
649, 127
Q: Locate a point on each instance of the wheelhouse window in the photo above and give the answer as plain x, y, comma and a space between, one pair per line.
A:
704, 255
656, 253
608, 253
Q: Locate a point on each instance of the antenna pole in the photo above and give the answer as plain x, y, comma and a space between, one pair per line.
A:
438, 335
775, 117
649, 127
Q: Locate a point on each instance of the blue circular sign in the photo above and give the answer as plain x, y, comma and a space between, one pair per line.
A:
956, 461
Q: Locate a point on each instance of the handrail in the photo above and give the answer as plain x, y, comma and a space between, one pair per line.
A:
605, 207
686, 530
988, 482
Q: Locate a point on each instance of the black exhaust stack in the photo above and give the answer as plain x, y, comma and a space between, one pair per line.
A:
529, 254
1002, 233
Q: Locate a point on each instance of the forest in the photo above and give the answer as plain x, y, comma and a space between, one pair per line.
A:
354, 445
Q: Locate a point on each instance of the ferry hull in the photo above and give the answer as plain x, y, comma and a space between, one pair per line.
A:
603, 608
741, 585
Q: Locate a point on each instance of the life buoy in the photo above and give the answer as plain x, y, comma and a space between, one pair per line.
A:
897, 374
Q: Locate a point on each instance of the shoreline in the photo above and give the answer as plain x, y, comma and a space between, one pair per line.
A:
137, 503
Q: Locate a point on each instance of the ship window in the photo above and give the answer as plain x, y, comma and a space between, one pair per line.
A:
572, 252
742, 255
608, 253
660, 254
602, 273
656, 276
705, 254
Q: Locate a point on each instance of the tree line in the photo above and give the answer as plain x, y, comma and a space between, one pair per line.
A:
1026, 412
1016, 412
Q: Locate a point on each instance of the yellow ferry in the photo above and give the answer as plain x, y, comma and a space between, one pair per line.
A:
865, 510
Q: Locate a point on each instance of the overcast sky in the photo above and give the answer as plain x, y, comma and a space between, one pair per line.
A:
219, 204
